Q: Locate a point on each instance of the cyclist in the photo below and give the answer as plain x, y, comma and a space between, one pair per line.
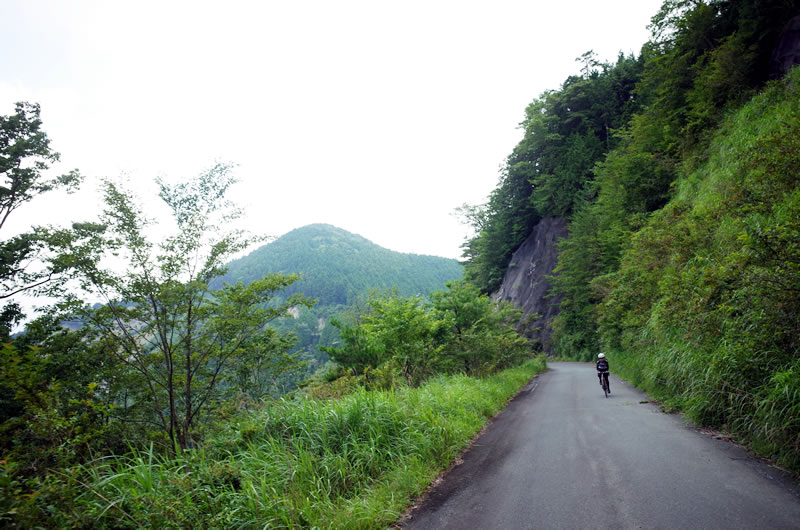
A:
602, 370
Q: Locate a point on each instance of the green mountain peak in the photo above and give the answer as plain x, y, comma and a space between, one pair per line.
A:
337, 265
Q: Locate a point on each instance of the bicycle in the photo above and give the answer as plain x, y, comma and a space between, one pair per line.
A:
604, 382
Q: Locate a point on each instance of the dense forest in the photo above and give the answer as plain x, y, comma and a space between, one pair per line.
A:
678, 172
336, 267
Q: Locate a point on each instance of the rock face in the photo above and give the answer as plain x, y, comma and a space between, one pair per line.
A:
526, 284
787, 52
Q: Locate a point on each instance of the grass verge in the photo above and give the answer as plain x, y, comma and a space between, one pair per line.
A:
356, 462
763, 417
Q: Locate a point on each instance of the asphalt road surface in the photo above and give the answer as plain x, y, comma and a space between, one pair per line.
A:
563, 456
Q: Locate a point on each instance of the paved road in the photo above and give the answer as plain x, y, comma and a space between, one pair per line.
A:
563, 456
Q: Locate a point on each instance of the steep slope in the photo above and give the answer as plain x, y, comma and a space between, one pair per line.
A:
704, 310
526, 282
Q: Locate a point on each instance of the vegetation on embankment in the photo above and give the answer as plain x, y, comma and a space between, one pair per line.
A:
679, 174
707, 294
355, 462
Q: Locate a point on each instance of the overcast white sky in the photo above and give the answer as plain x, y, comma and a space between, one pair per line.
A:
378, 117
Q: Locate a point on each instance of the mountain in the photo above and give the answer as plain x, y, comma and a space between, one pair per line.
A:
337, 266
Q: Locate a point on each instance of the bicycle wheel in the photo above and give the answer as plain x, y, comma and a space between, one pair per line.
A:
605, 384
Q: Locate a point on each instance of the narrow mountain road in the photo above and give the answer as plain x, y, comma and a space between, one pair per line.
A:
563, 456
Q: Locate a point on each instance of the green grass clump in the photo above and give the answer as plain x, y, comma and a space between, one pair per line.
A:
356, 462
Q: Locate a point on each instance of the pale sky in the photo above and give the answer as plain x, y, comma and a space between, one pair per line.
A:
378, 117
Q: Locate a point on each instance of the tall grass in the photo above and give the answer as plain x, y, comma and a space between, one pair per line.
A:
717, 388
705, 307
356, 462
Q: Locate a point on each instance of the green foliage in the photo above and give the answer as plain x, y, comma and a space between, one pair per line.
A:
482, 337
357, 461
267, 368
337, 267
705, 60
159, 319
606, 148
55, 414
25, 157
394, 333
549, 173
707, 292
460, 330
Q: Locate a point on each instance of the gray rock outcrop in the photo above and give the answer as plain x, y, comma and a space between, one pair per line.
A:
525, 282
787, 51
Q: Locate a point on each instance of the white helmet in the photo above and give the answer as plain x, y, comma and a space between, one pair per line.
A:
601, 355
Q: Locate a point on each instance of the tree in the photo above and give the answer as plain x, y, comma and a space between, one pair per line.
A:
401, 333
25, 156
459, 330
160, 319
481, 337
53, 411
551, 171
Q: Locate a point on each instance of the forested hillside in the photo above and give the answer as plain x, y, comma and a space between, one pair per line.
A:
678, 171
338, 270
337, 266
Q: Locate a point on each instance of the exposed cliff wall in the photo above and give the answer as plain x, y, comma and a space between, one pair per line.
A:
787, 52
526, 284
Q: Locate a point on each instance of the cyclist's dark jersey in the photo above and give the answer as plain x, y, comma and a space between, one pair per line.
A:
602, 365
